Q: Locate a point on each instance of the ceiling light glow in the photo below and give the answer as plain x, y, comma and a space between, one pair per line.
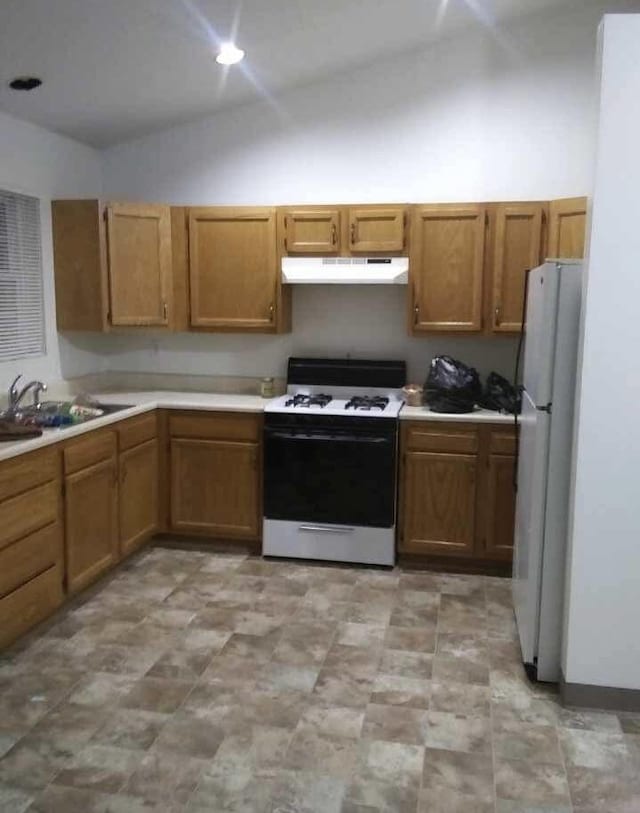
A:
229, 54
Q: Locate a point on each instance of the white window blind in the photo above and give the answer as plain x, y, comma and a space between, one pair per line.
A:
21, 297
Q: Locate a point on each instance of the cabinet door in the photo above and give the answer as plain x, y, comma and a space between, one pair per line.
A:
215, 487
376, 229
138, 497
518, 247
567, 226
446, 268
139, 247
232, 268
439, 503
91, 517
500, 511
312, 231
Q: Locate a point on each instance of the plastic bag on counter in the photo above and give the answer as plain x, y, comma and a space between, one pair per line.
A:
500, 395
451, 386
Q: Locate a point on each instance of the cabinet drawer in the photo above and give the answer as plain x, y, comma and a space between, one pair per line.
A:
89, 450
28, 512
217, 425
440, 437
503, 442
29, 604
29, 557
27, 471
137, 430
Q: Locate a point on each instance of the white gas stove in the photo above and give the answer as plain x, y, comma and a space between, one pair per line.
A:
330, 453
372, 402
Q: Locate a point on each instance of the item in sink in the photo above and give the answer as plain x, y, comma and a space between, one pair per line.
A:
83, 413
10, 430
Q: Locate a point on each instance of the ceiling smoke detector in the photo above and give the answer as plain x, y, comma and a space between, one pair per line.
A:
25, 83
229, 54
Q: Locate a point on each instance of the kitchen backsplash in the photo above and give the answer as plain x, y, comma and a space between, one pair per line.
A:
360, 321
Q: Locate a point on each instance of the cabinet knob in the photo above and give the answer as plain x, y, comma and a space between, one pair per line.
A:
165, 311
334, 235
271, 311
353, 233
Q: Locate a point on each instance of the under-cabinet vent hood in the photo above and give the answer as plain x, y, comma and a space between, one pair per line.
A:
345, 270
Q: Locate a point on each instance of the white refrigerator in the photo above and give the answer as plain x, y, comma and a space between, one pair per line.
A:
551, 334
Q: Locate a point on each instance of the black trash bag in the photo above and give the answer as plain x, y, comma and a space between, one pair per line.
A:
500, 395
451, 386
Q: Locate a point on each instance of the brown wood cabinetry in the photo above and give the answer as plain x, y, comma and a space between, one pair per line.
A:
456, 490
518, 246
344, 230
233, 271
31, 552
112, 265
311, 230
446, 268
215, 474
139, 251
91, 507
567, 228
377, 229
138, 481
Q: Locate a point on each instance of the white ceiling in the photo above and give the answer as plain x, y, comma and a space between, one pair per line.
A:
116, 69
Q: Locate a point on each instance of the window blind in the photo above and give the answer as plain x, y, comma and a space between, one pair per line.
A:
21, 295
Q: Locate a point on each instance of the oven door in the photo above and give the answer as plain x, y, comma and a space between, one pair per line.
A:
342, 475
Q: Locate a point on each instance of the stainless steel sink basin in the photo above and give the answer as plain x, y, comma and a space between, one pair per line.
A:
55, 414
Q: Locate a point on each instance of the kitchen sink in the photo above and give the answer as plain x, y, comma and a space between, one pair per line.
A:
55, 414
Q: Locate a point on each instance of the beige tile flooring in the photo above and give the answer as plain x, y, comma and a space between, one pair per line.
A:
204, 682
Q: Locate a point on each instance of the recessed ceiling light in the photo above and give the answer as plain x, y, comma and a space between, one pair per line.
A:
25, 83
229, 54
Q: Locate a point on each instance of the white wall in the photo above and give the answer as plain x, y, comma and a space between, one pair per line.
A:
602, 645
36, 162
488, 117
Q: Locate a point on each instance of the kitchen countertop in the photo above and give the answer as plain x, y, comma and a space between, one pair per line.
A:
423, 413
142, 402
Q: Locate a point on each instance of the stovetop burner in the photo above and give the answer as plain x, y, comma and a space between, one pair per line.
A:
366, 403
303, 400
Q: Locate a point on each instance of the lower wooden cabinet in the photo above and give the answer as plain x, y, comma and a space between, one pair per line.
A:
499, 507
91, 510
456, 490
138, 495
215, 475
31, 551
440, 494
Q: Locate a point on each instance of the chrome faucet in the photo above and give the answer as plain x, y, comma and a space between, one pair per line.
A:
15, 396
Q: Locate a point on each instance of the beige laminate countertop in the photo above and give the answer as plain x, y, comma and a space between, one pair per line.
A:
423, 413
142, 402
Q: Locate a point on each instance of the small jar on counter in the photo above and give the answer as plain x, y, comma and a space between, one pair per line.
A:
267, 388
412, 395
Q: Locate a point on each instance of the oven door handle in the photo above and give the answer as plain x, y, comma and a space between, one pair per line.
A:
327, 529
332, 438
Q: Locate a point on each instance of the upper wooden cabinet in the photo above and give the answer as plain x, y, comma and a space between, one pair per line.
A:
112, 265
518, 246
446, 268
139, 250
376, 229
343, 230
567, 227
233, 270
311, 231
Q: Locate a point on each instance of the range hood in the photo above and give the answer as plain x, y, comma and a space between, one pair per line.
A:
345, 270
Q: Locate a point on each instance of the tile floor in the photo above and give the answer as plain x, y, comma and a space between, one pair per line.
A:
203, 682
